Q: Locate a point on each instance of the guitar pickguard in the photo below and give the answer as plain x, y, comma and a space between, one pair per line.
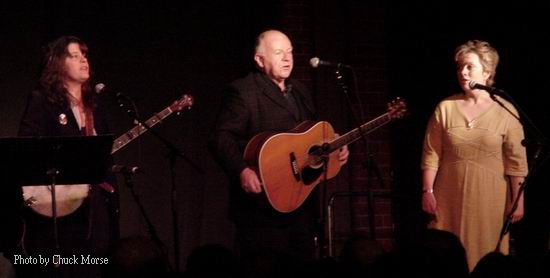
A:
310, 175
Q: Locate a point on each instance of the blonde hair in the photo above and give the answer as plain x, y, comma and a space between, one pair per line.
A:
488, 56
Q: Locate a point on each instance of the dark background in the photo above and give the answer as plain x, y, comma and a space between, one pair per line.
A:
154, 52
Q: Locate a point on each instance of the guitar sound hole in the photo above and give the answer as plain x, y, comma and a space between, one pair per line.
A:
315, 168
315, 160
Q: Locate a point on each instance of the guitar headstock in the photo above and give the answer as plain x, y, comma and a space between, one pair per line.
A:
186, 101
397, 108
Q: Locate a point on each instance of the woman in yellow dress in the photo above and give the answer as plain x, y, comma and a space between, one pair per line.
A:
473, 160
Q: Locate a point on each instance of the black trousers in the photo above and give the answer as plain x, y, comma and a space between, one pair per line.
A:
273, 244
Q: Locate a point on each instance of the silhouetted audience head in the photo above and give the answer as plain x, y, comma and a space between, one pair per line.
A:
496, 264
136, 257
360, 254
540, 268
267, 262
437, 253
212, 260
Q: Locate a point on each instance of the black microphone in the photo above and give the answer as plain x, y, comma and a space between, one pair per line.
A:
100, 88
316, 62
123, 169
491, 90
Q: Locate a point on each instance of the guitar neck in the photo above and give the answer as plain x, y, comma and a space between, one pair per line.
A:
355, 134
136, 131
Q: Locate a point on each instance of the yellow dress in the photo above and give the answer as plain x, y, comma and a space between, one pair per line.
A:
472, 160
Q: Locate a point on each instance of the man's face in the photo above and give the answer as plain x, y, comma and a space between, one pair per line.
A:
274, 56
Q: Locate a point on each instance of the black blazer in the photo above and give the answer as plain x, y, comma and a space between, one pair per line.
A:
42, 118
252, 105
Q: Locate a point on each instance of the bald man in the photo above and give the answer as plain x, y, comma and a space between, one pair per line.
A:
265, 100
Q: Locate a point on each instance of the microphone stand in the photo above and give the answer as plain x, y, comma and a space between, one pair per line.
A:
370, 164
320, 238
321, 221
149, 226
173, 154
53, 172
536, 163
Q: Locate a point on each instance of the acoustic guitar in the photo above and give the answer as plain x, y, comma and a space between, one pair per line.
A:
70, 197
290, 165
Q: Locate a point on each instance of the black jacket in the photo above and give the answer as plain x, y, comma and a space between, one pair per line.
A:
252, 105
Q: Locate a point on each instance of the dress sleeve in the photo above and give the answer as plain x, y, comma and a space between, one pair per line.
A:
432, 149
515, 156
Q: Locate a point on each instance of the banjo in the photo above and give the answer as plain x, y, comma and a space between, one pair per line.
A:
69, 197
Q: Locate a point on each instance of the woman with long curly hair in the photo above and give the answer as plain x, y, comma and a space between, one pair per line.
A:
65, 105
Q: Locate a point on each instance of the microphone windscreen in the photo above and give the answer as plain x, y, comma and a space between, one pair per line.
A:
99, 88
314, 62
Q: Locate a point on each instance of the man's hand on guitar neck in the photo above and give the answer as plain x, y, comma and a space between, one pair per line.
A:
343, 155
250, 182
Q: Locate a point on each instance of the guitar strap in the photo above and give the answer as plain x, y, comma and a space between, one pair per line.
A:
89, 131
89, 128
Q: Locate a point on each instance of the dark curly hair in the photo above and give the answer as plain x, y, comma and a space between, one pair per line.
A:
51, 80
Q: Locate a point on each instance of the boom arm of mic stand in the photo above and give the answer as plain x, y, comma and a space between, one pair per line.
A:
344, 87
523, 118
171, 147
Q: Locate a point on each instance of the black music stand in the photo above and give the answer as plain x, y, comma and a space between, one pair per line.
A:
54, 160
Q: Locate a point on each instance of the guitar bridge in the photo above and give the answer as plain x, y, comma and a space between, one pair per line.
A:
294, 166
